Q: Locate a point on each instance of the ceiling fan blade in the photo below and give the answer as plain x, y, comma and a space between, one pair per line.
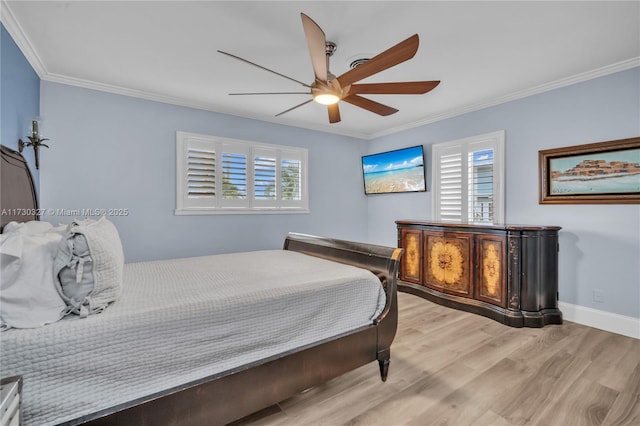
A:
316, 42
264, 68
395, 55
292, 108
370, 105
334, 113
401, 88
271, 93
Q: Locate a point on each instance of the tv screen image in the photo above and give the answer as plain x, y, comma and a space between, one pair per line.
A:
401, 170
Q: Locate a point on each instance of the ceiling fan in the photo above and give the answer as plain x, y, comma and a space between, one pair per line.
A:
329, 90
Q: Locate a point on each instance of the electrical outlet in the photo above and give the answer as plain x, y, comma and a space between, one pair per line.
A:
598, 296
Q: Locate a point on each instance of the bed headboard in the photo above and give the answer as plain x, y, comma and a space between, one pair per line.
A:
17, 193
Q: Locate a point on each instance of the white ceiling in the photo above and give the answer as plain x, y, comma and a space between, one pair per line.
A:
484, 53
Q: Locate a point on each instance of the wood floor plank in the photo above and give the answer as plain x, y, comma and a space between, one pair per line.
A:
626, 408
497, 347
542, 387
490, 418
400, 407
633, 383
585, 403
455, 368
593, 343
352, 403
625, 411
464, 405
552, 340
611, 367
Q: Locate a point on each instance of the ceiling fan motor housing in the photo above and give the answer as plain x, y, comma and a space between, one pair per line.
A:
330, 47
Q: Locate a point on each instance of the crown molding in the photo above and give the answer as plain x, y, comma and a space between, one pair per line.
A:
15, 30
174, 100
557, 84
26, 47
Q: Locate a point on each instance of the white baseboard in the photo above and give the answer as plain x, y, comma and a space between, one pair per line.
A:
619, 324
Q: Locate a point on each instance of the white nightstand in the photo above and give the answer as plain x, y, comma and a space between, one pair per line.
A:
10, 392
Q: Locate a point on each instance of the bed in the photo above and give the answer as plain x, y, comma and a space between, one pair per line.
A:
194, 380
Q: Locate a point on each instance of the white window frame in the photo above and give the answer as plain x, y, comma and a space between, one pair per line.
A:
494, 141
217, 204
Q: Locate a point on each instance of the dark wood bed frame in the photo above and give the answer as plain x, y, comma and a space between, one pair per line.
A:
236, 393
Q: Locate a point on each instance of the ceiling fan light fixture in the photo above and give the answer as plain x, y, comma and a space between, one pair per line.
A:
326, 98
327, 93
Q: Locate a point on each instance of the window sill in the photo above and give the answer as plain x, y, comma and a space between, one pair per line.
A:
231, 211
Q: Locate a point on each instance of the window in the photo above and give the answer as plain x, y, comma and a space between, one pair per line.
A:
468, 179
221, 175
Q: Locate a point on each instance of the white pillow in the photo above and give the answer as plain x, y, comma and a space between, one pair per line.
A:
28, 296
88, 266
32, 227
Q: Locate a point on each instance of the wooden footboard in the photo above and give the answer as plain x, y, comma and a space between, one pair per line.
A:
231, 395
382, 261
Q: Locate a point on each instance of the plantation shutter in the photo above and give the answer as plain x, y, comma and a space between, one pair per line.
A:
292, 179
222, 175
450, 187
291, 171
196, 186
265, 178
234, 173
234, 176
481, 186
468, 179
201, 173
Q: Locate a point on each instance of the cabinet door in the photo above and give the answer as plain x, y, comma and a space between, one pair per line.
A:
490, 279
411, 263
448, 262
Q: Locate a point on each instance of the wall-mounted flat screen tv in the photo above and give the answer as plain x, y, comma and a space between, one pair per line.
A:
401, 170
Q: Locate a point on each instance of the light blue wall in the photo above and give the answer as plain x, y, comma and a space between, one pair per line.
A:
599, 244
20, 98
114, 151
111, 151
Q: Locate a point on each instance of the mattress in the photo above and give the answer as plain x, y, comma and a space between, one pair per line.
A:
182, 320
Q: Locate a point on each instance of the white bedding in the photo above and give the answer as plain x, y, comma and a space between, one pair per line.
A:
182, 320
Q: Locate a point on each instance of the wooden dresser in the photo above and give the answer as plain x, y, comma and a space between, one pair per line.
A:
505, 272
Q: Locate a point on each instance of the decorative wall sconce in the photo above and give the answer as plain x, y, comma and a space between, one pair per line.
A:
35, 141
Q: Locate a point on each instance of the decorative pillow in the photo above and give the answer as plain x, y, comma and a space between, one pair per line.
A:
89, 266
28, 296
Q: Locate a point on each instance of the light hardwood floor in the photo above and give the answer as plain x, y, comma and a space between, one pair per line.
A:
454, 368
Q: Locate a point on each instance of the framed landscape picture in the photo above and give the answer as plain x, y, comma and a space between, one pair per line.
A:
597, 173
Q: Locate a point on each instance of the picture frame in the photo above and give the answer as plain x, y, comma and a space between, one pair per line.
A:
596, 173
